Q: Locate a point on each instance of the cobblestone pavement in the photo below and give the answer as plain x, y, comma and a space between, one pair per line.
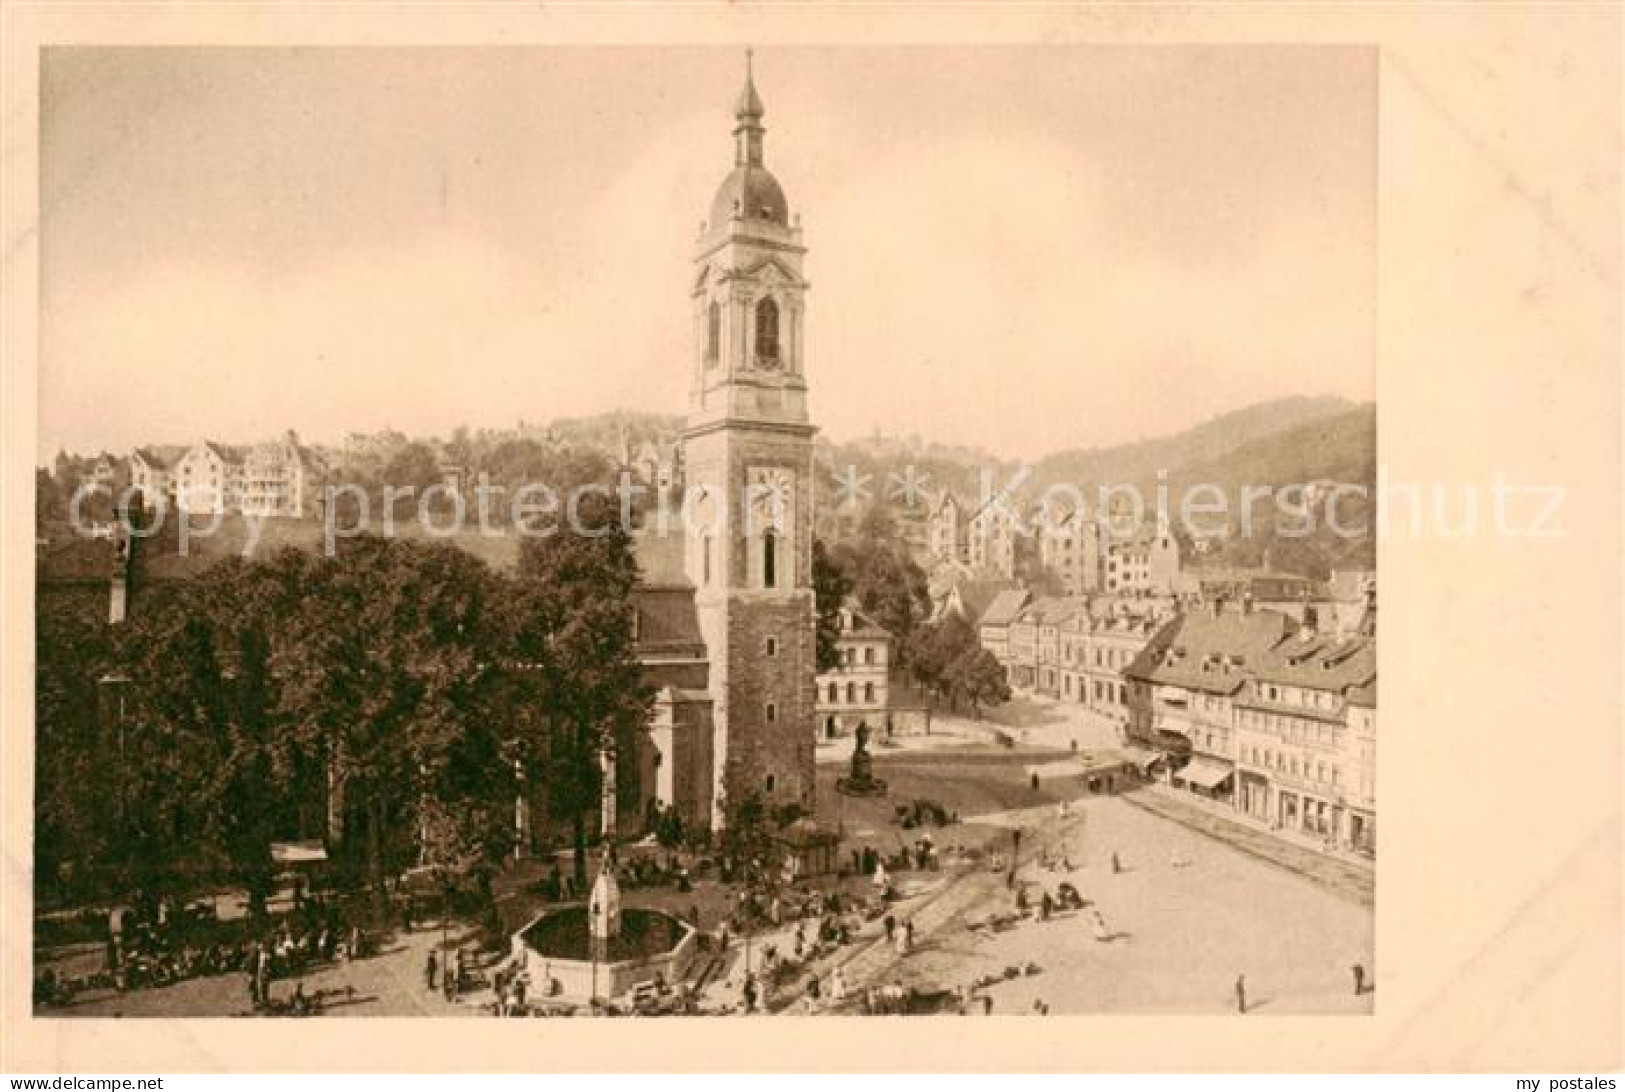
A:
1353, 880
1187, 915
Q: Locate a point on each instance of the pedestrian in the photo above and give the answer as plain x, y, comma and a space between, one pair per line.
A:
1102, 934
1241, 993
987, 1004
520, 982
1117, 863
431, 970
908, 934
1035, 781
750, 993
891, 928
1046, 906
1359, 979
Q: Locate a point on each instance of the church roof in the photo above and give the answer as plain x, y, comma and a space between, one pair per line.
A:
750, 191
754, 192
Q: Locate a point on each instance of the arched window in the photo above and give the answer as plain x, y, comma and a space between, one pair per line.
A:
713, 332
770, 559
767, 329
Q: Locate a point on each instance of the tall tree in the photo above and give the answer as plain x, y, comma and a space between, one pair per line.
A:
574, 624
831, 586
887, 583
75, 759
385, 676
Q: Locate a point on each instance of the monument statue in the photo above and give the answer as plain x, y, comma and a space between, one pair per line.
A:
860, 780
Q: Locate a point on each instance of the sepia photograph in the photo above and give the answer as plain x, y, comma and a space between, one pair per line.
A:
718, 517
740, 611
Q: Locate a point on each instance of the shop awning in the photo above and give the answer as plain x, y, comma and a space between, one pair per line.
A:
1141, 758
1206, 773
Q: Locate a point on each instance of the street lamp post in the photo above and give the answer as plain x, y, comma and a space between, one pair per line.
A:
594, 910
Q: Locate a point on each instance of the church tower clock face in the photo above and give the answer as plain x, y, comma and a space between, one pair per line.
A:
747, 445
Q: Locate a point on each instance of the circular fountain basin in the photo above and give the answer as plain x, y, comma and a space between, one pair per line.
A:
555, 946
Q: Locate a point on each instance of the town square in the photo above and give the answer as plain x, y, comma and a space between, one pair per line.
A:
636, 714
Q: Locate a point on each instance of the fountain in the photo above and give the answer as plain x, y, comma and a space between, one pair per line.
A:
600, 950
861, 780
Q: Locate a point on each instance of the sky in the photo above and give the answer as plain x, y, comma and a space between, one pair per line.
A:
1025, 248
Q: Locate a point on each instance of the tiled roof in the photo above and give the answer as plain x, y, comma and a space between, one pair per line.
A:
1319, 662
1055, 609
1004, 608
977, 595
162, 456
863, 625
1201, 651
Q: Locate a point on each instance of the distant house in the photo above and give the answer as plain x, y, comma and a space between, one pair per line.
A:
152, 471
945, 531
1069, 547
990, 539
1034, 646
857, 690
993, 627
209, 478
279, 478
1144, 562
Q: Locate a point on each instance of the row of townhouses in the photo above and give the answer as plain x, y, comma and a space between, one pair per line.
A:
1265, 714
1263, 701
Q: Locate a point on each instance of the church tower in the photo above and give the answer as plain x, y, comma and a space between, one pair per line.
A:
747, 450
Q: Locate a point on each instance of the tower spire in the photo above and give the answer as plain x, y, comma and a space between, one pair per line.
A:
748, 113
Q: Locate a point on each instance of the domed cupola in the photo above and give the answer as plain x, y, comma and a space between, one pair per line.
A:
750, 192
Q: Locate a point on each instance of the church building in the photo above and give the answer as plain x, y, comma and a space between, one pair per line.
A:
747, 454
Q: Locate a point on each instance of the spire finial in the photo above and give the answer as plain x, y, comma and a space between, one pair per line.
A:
749, 107
748, 113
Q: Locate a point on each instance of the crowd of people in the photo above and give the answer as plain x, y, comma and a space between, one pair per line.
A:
154, 943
